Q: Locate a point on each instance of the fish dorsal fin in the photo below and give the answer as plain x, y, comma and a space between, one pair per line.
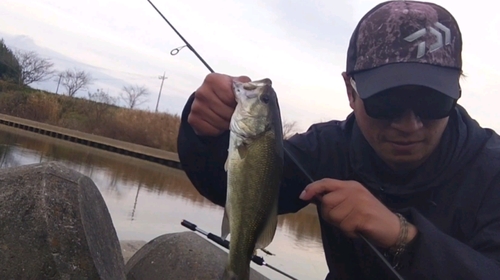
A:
267, 235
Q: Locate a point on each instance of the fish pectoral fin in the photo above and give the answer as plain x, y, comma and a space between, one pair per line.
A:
225, 225
242, 150
267, 252
267, 235
226, 164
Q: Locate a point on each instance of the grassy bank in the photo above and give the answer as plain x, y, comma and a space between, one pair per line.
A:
155, 130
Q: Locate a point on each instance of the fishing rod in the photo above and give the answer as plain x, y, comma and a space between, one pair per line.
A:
224, 243
288, 153
177, 50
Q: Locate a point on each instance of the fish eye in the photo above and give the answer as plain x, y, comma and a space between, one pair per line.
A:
265, 98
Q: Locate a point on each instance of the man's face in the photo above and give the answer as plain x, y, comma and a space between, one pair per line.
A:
404, 142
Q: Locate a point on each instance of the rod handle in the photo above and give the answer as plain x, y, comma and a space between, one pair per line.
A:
189, 225
218, 240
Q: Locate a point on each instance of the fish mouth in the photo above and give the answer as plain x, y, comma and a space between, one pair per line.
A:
253, 85
251, 94
251, 89
262, 82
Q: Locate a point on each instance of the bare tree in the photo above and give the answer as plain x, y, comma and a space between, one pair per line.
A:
134, 95
289, 129
33, 68
100, 103
101, 96
74, 80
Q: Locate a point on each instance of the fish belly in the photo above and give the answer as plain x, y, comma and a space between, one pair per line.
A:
254, 176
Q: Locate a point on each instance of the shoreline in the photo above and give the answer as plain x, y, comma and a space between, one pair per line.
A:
162, 157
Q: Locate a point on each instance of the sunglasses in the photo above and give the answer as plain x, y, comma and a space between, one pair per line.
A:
427, 104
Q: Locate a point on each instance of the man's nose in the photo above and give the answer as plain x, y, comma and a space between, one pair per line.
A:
408, 122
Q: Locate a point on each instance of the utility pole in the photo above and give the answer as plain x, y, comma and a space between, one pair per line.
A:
162, 78
60, 77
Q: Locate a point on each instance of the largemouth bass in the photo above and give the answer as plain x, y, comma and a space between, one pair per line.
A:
254, 170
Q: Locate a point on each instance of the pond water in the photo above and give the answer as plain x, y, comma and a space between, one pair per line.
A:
146, 200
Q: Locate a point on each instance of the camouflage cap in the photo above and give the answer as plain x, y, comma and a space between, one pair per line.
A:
406, 43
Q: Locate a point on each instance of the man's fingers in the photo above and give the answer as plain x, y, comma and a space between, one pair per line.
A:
210, 124
219, 86
333, 200
319, 188
202, 127
210, 119
204, 104
229, 100
222, 86
222, 110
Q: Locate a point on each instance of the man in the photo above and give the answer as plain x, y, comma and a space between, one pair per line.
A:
409, 169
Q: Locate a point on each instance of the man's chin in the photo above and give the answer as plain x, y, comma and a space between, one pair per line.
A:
406, 162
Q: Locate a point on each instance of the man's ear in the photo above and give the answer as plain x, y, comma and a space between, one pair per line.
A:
351, 95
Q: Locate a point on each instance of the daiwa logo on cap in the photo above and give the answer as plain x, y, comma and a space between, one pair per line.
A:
439, 38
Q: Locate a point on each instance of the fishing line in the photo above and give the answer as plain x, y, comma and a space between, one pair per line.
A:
294, 160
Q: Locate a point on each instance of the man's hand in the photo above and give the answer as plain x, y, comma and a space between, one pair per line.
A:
213, 105
351, 207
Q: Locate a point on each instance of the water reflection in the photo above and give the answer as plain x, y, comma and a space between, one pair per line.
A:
146, 199
303, 226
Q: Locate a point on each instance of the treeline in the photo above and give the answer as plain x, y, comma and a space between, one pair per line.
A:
98, 113
27, 67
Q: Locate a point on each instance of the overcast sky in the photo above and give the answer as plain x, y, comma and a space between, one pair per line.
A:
300, 45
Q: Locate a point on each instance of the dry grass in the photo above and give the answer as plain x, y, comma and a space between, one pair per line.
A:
156, 130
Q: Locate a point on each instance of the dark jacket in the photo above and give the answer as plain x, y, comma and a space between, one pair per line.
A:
453, 199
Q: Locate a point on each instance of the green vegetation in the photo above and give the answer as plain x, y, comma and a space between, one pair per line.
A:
9, 66
96, 114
